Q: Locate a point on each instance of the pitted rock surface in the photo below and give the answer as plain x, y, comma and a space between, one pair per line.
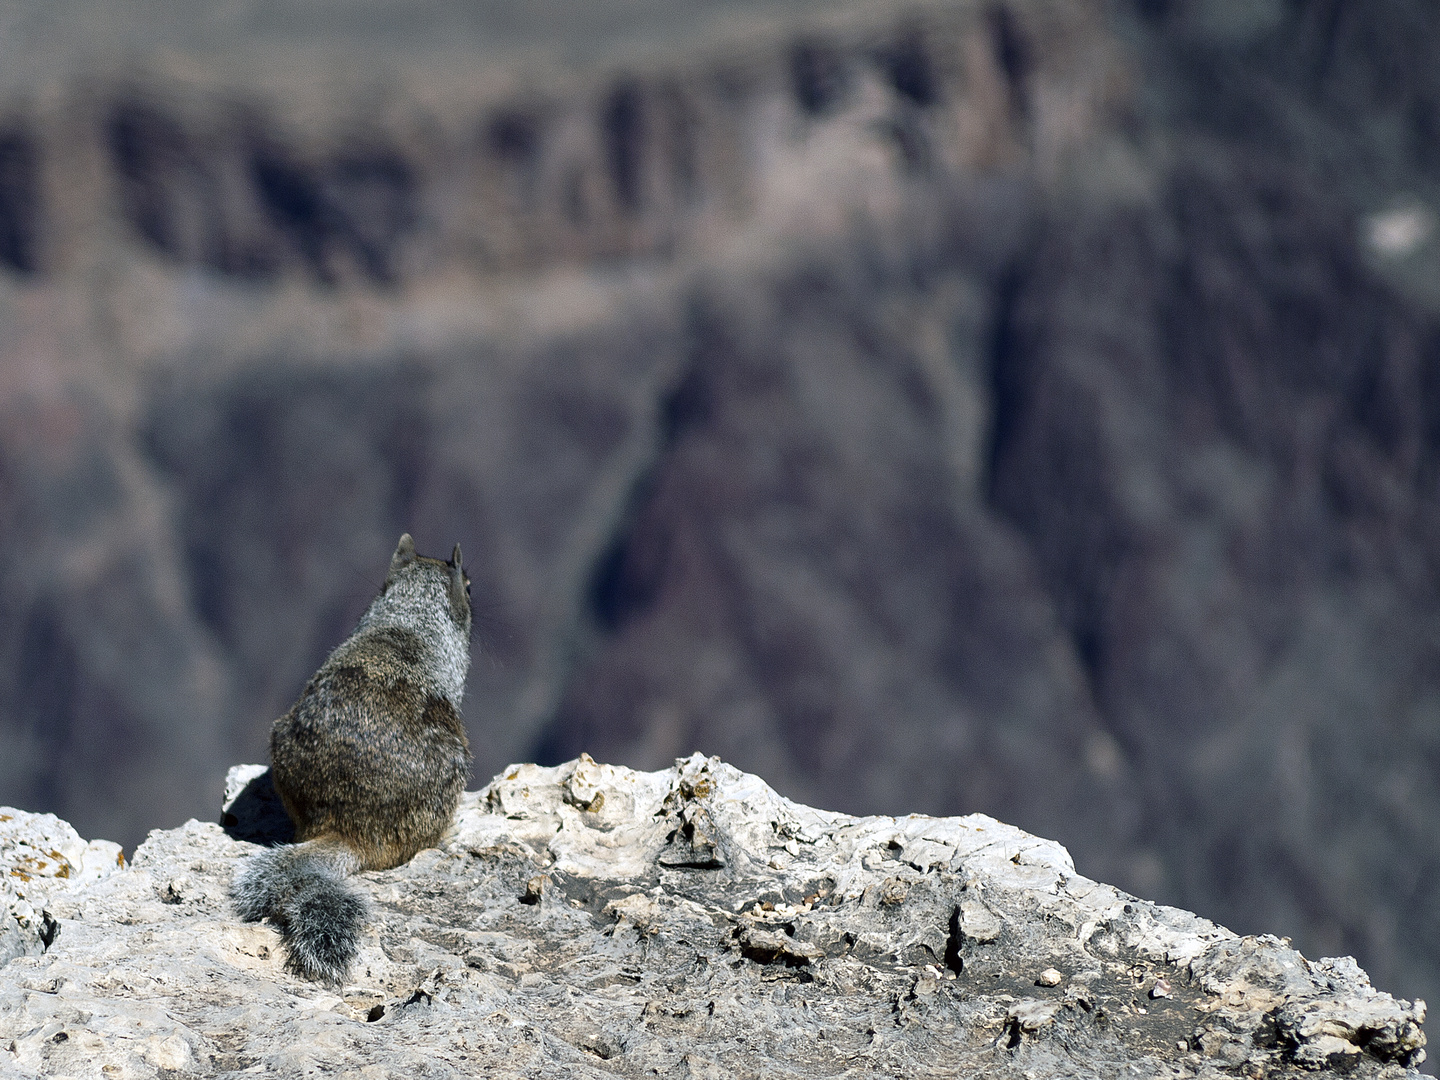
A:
590, 921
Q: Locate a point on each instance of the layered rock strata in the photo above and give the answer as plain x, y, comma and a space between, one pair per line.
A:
597, 921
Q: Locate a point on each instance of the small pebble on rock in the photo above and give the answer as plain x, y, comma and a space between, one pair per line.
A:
1049, 977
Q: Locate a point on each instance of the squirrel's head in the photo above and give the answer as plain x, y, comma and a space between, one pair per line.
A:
406, 566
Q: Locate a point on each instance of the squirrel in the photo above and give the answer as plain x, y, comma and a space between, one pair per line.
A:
369, 763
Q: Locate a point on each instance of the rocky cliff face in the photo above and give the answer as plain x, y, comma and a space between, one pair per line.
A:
1026, 407
597, 921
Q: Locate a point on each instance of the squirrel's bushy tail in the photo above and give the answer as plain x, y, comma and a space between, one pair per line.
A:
302, 889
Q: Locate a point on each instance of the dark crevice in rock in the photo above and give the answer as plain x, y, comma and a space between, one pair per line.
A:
1040, 469
358, 204
21, 225
1012, 53
290, 195
953, 940
819, 76
908, 68
623, 125
1006, 372
629, 574
687, 405
151, 156
514, 136
631, 569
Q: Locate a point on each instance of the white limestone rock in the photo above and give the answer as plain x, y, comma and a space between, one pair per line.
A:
588, 920
40, 857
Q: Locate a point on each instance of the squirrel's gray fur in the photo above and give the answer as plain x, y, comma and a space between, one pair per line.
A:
369, 763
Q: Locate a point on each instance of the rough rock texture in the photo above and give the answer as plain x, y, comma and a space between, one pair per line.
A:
1026, 407
40, 855
595, 921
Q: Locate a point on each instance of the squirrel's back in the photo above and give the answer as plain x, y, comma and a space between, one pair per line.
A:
369, 762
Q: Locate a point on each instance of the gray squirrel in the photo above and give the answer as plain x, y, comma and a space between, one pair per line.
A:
369, 763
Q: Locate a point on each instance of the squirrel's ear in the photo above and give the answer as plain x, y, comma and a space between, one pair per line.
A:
459, 590
404, 553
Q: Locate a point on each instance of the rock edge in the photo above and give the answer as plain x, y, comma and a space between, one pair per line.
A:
687, 922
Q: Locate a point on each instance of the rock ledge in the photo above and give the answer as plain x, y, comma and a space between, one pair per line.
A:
599, 921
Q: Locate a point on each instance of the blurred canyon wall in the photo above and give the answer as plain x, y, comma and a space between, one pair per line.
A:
1029, 407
